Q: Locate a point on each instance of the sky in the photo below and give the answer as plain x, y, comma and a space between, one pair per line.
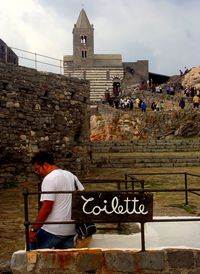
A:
164, 32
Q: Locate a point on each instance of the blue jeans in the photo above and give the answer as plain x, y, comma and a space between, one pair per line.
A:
48, 240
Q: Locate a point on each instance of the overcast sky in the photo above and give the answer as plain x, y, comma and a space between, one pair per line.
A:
165, 32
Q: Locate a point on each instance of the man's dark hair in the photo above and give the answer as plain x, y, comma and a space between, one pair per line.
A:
42, 157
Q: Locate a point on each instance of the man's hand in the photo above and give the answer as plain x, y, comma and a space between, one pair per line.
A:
32, 237
44, 212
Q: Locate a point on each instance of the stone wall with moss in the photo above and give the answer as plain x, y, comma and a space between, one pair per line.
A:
41, 111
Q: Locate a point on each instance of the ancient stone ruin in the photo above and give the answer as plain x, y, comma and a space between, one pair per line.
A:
41, 111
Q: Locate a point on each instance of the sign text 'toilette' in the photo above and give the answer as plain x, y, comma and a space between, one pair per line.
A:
112, 206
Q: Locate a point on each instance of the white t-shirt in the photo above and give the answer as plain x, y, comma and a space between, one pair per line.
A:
59, 180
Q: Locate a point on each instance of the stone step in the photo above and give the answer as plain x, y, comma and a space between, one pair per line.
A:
145, 159
140, 146
142, 165
145, 162
145, 149
141, 142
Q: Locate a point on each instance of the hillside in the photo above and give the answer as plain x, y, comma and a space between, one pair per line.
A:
109, 123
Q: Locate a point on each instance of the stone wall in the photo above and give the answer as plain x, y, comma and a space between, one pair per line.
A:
79, 261
41, 111
7, 55
136, 72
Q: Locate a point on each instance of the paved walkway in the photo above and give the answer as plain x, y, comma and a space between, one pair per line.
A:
158, 235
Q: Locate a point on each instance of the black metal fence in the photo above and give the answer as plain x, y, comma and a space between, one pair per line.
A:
130, 183
185, 181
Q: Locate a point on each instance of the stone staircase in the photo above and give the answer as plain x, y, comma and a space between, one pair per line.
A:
159, 153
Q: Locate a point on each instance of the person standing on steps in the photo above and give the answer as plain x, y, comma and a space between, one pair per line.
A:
182, 103
196, 101
143, 106
56, 207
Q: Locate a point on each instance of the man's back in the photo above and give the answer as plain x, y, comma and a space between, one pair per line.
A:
59, 180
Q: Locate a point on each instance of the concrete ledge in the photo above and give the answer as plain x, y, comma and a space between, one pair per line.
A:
79, 261
172, 247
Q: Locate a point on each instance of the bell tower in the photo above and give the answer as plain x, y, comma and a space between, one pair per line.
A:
83, 42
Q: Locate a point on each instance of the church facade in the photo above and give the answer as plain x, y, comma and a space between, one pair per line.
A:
106, 72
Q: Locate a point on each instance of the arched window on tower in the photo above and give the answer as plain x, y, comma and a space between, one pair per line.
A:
84, 54
83, 39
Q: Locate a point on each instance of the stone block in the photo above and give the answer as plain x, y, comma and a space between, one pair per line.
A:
198, 259
63, 261
18, 262
180, 259
119, 261
89, 261
153, 260
173, 272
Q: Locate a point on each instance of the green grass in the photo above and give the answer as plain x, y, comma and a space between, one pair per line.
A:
165, 203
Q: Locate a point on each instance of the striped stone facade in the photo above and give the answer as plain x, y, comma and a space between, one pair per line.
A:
101, 79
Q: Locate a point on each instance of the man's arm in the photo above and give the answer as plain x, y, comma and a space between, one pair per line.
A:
44, 212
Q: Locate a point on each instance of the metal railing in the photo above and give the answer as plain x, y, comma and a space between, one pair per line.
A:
39, 61
122, 185
38, 193
185, 175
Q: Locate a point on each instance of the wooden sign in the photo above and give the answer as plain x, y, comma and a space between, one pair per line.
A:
113, 206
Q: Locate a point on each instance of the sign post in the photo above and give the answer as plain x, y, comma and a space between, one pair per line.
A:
113, 207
